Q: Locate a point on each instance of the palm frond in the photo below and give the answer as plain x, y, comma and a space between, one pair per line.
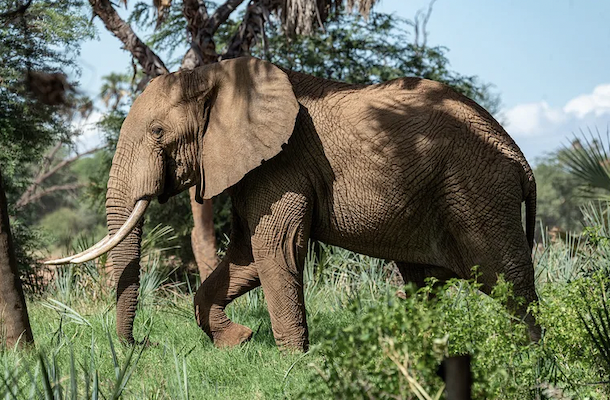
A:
303, 16
588, 160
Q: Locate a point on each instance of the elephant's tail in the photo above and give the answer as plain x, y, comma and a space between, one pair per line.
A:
530, 214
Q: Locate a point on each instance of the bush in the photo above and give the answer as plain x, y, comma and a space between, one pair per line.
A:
397, 343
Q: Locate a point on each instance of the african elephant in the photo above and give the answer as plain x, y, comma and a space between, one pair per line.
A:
407, 170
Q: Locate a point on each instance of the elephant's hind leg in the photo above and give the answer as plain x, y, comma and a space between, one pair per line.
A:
503, 249
226, 283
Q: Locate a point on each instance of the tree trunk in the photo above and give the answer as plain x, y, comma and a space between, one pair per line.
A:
14, 321
203, 237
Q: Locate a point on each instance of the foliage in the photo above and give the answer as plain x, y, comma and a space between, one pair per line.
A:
389, 344
358, 329
378, 49
48, 44
66, 224
558, 202
370, 357
596, 320
43, 39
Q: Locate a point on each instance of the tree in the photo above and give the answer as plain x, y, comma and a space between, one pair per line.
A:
35, 95
36, 98
14, 319
557, 195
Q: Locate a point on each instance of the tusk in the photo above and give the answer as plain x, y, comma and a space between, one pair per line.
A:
67, 260
130, 223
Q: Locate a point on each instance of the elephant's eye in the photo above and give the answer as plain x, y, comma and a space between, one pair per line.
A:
157, 131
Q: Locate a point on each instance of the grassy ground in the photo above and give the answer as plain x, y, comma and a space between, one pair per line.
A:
74, 328
181, 362
358, 328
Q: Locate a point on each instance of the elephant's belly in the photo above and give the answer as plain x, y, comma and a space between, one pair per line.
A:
395, 231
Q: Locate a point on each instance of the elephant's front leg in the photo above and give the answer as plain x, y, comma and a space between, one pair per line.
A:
279, 246
226, 283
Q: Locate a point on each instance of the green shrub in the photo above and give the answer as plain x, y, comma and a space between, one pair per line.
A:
396, 342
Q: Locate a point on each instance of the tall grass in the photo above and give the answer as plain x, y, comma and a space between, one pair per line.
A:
48, 380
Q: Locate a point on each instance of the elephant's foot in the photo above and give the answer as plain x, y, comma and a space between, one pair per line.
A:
292, 340
535, 333
298, 346
233, 335
223, 332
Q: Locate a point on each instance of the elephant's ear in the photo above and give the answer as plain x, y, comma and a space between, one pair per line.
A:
253, 112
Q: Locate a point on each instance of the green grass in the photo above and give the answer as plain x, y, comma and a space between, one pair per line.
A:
74, 323
180, 353
181, 359
361, 335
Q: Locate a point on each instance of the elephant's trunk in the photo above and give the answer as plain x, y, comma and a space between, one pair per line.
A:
123, 240
125, 258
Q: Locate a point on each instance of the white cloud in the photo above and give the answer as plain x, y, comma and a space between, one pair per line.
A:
539, 119
597, 103
539, 128
530, 119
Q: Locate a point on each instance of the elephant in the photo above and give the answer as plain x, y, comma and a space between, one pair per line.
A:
408, 170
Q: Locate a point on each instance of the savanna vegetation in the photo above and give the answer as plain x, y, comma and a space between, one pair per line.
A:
371, 336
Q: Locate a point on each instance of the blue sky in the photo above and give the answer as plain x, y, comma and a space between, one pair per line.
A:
548, 59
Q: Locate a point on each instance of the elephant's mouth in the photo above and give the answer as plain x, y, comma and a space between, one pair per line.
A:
168, 192
174, 183
163, 198
168, 185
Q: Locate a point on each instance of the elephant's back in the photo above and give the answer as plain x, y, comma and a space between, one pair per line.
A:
427, 119
407, 156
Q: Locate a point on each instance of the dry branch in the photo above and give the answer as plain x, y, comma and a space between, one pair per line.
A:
203, 49
35, 191
148, 59
52, 189
251, 28
201, 29
420, 25
221, 15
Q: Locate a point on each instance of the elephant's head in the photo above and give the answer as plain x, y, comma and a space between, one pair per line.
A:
206, 127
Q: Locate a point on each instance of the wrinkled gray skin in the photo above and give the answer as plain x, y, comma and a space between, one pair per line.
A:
407, 170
